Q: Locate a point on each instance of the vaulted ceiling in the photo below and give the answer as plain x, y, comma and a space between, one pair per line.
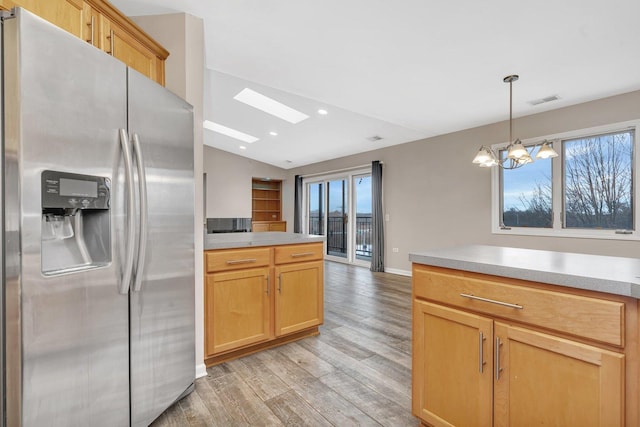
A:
400, 70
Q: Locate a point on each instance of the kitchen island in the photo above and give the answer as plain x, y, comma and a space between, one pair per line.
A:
261, 290
506, 336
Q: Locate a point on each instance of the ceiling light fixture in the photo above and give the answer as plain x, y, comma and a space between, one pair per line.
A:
517, 155
270, 106
242, 147
236, 134
272, 133
323, 112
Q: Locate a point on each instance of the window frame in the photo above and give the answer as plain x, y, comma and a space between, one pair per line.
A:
557, 183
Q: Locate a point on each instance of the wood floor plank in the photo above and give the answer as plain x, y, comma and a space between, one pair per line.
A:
195, 412
377, 406
390, 387
292, 410
356, 372
262, 381
241, 403
218, 413
308, 361
376, 342
333, 406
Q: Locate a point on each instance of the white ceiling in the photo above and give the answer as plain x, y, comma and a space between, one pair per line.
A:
402, 70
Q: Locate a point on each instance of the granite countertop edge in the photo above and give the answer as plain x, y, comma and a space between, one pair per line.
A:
458, 259
252, 240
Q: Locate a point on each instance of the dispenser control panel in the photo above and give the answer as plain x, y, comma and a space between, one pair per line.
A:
74, 191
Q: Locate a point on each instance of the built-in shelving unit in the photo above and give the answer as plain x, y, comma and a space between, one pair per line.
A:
265, 200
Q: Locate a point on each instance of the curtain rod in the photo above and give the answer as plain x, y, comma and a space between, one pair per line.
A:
352, 168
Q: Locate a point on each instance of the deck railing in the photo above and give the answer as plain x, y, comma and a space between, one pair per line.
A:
337, 234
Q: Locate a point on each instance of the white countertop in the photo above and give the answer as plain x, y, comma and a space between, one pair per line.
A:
269, 238
614, 275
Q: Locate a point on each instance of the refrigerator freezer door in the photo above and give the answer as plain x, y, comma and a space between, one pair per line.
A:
162, 312
64, 103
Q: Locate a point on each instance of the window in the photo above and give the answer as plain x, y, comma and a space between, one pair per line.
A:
587, 191
597, 181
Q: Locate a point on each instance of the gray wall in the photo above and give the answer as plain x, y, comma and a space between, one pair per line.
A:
229, 182
435, 197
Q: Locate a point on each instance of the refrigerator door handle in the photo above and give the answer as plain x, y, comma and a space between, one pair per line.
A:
131, 218
143, 232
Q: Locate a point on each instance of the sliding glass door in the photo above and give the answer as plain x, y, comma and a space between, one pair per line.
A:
337, 218
339, 207
362, 208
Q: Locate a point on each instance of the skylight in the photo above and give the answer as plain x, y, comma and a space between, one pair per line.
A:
270, 106
216, 127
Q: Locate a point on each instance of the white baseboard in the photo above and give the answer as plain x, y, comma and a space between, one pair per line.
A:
398, 271
201, 371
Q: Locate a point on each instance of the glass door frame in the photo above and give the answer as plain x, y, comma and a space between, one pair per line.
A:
348, 177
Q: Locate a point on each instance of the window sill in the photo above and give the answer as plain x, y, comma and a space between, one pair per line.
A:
573, 234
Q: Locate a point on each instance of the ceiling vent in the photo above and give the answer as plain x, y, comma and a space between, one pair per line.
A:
374, 138
544, 100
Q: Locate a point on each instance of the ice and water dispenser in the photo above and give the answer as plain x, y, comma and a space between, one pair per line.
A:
76, 224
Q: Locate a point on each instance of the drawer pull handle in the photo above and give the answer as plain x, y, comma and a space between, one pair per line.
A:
498, 368
241, 261
302, 254
481, 361
492, 301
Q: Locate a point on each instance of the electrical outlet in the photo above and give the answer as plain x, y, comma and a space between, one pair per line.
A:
386, 217
396, 250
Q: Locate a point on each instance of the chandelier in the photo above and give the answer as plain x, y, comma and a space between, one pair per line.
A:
517, 154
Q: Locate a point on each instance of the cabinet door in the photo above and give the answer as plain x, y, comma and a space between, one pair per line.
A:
238, 309
278, 226
92, 31
452, 366
546, 380
299, 296
259, 227
120, 44
66, 14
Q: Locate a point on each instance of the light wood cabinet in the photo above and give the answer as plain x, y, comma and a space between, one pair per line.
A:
100, 24
66, 14
239, 309
260, 226
120, 43
546, 380
260, 297
299, 297
550, 356
450, 387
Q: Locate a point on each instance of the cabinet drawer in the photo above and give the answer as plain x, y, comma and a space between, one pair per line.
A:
298, 253
236, 259
591, 318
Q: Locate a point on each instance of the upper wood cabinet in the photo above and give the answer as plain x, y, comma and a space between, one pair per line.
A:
105, 27
66, 14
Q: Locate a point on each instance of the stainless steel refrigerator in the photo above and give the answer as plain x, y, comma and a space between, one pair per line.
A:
97, 235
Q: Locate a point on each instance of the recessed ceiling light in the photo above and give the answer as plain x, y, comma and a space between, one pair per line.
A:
323, 112
270, 106
272, 133
216, 127
242, 147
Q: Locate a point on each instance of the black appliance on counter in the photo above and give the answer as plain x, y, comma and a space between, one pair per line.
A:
228, 225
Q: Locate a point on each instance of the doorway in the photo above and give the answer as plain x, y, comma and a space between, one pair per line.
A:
339, 207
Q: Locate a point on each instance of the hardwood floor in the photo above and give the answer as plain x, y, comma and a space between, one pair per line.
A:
356, 372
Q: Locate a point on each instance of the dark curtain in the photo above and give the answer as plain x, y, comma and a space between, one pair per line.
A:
377, 218
297, 205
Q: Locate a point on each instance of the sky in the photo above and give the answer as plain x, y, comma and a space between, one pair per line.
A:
362, 190
523, 181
